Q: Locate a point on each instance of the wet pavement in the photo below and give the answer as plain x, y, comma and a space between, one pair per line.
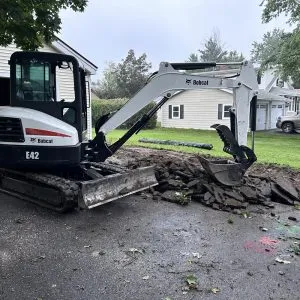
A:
137, 248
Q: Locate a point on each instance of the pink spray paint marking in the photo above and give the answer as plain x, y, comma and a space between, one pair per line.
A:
266, 240
265, 245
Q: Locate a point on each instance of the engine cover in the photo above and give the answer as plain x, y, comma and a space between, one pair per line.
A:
33, 139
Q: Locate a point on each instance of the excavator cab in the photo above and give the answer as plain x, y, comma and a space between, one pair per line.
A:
50, 83
46, 156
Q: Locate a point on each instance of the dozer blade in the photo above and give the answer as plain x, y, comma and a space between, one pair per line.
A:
224, 171
102, 190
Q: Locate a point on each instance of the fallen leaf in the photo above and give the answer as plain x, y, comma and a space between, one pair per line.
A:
196, 254
263, 228
230, 221
95, 253
191, 280
215, 290
135, 250
282, 261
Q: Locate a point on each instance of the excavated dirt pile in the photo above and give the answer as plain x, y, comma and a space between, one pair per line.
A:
181, 179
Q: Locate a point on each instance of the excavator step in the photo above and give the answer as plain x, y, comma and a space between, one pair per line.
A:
77, 189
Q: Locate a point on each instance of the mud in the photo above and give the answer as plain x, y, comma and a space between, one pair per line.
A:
182, 179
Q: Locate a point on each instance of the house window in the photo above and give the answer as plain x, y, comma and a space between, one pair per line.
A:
176, 111
226, 112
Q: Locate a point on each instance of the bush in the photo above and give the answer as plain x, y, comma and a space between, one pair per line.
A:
104, 106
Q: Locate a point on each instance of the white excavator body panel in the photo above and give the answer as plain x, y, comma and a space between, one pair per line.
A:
39, 128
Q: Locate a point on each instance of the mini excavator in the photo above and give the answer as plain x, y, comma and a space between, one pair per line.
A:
47, 158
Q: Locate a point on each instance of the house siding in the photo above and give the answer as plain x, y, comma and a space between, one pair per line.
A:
6, 52
200, 109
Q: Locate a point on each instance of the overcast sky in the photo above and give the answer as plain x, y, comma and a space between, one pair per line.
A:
166, 30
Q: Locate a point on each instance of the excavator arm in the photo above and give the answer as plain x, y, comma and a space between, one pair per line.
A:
169, 80
173, 78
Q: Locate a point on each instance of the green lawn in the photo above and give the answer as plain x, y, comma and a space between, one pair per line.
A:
274, 147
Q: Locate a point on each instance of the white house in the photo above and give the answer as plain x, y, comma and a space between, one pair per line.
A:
199, 109
65, 81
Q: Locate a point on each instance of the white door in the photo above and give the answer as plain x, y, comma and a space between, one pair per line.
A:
261, 117
276, 111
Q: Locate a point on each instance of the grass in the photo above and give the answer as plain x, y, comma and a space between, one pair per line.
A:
270, 147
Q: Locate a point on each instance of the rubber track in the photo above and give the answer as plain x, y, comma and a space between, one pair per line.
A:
68, 190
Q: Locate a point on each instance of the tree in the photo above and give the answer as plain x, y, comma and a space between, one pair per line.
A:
108, 87
214, 51
124, 79
274, 8
267, 52
193, 58
278, 48
233, 56
30, 23
132, 74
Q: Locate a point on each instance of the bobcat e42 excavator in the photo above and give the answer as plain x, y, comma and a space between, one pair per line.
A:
46, 157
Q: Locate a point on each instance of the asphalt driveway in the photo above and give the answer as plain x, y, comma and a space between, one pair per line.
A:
137, 248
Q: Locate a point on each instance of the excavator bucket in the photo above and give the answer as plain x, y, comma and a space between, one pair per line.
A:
224, 171
102, 190
228, 172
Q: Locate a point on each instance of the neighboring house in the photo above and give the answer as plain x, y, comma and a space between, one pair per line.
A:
199, 109
66, 89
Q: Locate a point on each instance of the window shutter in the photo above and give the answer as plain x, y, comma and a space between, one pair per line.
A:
170, 111
220, 111
181, 111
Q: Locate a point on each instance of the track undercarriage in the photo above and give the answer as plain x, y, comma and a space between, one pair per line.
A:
90, 185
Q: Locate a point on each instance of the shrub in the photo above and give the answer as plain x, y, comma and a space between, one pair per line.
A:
104, 106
